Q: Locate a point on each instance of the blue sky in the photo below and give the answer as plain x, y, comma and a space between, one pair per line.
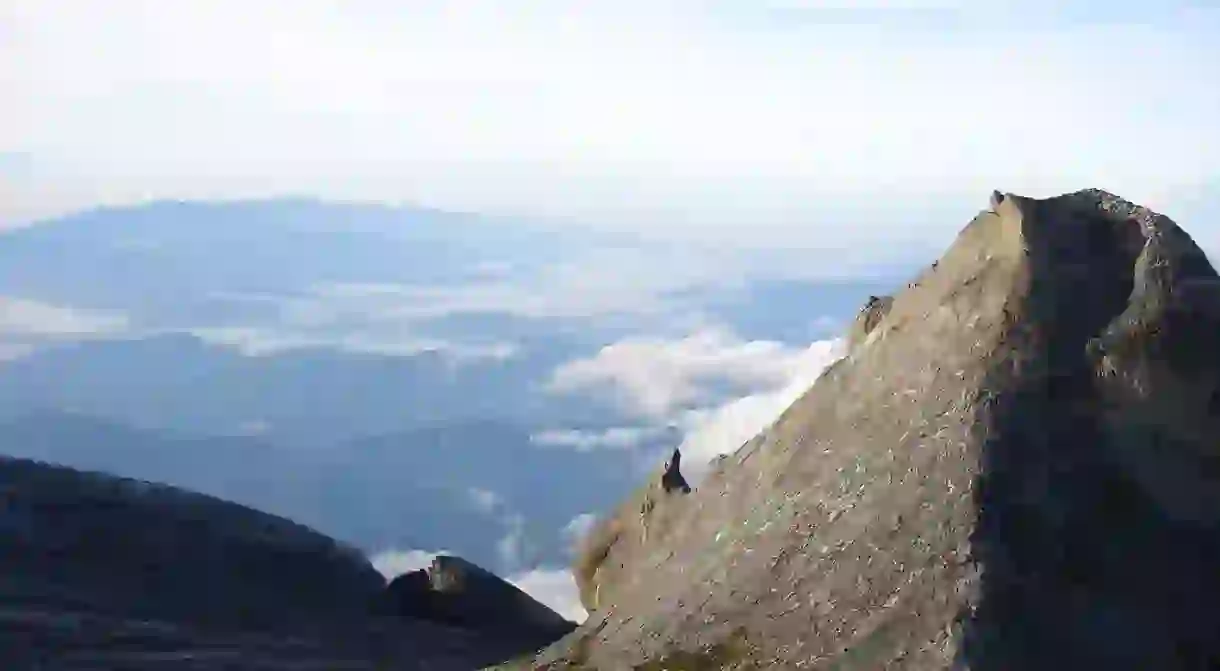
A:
809, 122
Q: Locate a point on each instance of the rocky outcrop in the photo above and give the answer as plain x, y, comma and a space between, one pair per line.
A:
607, 550
1017, 466
456, 592
99, 572
874, 310
409, 595
142, 549
672, 479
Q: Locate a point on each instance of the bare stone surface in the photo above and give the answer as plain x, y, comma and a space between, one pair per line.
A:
1016, 466
869, 318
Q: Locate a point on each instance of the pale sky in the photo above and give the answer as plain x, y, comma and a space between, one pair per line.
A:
725, 117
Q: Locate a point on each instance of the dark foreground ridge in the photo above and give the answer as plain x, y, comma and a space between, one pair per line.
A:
98, 572
1015, 466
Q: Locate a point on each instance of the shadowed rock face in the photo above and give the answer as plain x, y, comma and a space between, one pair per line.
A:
1016, 466
408, 595
99, 572
118, 545
456, 592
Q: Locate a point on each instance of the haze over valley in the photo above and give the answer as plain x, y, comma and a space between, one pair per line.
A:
455, 279
403, 379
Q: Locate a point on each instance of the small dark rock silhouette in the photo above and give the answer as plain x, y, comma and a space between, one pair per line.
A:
672, 479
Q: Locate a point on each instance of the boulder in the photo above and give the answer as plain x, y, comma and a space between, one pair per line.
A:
456, 592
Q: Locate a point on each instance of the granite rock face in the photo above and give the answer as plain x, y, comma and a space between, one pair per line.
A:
869, 317
1015, 466
605, 556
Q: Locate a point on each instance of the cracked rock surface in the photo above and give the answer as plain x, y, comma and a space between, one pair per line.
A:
1016, 466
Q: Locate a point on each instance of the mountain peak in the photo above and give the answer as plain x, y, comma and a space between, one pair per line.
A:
1014, 467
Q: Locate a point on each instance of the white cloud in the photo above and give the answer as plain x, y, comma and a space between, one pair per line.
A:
718, 121
511, 548
576, 530
666, 381
484, 499
553, 295
866, 4
592, 283
34, 319
14, 351
655, 377
494, 269
26, 324
393, 563
615, 438
721, 430
254, 341
254, 427
554, 587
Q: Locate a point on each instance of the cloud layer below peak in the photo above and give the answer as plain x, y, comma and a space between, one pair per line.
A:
717, 389
657, 376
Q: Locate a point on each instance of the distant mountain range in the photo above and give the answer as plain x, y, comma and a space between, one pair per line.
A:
313, 396
375, 372
461, 483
